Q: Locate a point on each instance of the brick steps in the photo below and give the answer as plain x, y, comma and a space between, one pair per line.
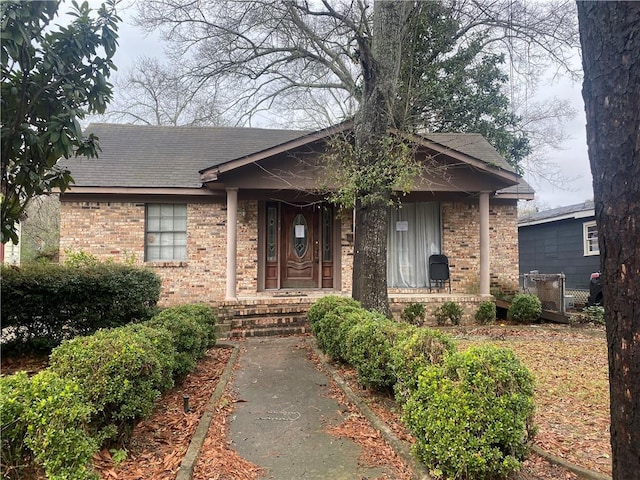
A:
262, 320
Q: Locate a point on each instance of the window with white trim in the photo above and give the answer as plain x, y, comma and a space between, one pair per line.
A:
590, 236
165, 232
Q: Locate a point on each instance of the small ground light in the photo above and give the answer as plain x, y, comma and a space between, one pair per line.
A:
185, 403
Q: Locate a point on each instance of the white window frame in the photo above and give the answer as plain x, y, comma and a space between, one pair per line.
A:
168, 235
591, 247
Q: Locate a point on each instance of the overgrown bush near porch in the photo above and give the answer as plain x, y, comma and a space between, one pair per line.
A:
476, 404
45, 304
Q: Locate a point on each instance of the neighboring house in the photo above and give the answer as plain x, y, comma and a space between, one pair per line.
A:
561, 240
233, 215
10, 252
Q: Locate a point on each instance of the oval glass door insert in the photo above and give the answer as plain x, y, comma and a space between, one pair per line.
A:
300, 235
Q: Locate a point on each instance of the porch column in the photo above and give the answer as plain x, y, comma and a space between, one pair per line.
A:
232, 237
485, 278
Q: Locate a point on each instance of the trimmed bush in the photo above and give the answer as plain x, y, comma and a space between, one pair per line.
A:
448, 311
525, 308
328, 330
472, 416
368, 350
123, 371
201, 313
44, 422
414, 314
45, 304
192, 328
413, 352
325, 304
486, 312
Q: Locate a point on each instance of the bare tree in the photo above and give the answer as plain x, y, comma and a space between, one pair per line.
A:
157, 94
274, 53
610, 36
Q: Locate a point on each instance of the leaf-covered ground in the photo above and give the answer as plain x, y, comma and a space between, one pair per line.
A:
572, 387
570, 366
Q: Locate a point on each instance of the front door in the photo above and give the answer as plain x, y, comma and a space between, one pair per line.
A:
300, 246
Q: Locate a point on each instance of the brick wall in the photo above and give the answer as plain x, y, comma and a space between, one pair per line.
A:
116, 230
461, 243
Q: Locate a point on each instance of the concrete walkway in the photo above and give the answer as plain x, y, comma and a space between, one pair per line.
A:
283, 411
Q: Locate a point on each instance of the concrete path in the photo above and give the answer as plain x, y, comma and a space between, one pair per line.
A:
282, 413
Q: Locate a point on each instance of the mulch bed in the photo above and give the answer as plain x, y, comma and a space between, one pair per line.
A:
572, 421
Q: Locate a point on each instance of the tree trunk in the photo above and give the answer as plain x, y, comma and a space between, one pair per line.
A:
610, 37
380, 63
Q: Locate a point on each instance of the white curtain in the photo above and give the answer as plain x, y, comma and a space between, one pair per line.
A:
414, 234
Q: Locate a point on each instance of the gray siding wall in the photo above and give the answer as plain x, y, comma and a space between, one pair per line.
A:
557, 247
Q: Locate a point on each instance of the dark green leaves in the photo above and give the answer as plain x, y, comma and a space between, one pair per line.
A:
51, 78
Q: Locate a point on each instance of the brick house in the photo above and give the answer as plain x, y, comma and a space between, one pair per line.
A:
166, 196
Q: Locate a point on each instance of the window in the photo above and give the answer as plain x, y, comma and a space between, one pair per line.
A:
166, 232
590, 235
414, 234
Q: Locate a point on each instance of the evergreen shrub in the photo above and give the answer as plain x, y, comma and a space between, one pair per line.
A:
486, 312
413, 352
368, 350
329, 332
472, 416
414, 314
448, 311
123, 371
45, 304
45, 422
325, 304
525, 308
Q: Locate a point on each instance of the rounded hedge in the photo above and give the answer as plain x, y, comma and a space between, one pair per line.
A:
123, 370
325, 304
525, 308
486, 312
472, 416
417, 349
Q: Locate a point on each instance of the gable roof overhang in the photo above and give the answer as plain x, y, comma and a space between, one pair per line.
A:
439, 146
212, 174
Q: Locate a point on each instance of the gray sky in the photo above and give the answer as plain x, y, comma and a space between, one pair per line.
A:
572, 160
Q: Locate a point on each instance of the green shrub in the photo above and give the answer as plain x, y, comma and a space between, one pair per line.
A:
45, 304
594, 314
189, 337
123, 371
413, 352
472, 416
328, 332
525, 308
368, 350
448, 311
414, 314
44, 422
486, 312
325, 304
201, 313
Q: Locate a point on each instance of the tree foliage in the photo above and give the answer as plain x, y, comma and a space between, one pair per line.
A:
51, 78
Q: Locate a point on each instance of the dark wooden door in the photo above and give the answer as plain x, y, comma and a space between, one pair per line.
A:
300, 247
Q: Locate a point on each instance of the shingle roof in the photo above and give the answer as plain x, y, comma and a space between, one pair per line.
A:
472, 144
520, 188
152, 156
169, 156
568, 211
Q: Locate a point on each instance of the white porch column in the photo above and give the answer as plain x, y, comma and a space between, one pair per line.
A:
232, 244
485, 279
